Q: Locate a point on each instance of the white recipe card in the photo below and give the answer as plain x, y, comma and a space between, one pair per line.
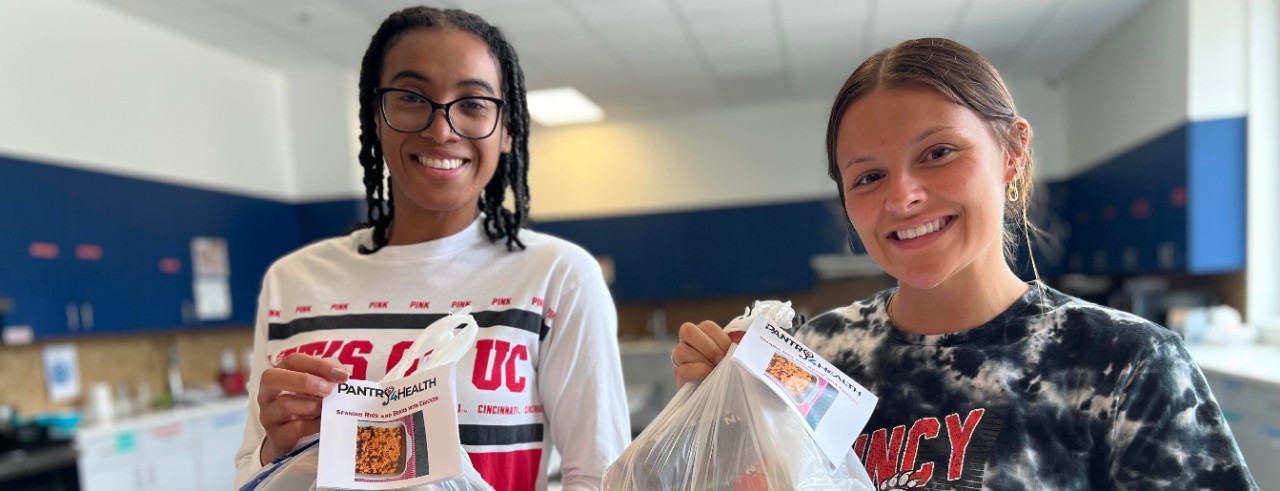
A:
404, 434
835, 406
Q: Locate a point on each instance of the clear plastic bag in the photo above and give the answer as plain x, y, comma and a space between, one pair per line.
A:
441, 343
297, 472
732, 433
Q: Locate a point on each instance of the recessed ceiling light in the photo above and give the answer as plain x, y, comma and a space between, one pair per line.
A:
561, 106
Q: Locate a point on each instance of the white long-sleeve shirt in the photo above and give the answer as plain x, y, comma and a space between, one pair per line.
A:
545, 367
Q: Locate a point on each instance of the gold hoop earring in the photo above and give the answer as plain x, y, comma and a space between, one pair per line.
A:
1012, 193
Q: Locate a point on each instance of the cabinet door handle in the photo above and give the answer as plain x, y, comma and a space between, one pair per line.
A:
73, 317
86, 316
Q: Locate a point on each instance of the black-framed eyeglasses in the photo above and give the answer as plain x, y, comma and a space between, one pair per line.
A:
471, 117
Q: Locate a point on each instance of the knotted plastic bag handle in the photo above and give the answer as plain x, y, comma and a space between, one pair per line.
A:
779, 313
444, 341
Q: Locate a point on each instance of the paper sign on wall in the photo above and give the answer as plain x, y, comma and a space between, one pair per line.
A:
61, 372
211, 278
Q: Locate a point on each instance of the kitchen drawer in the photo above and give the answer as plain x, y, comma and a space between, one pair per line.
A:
1259, 441
168, 439
1229, 391
1261, 399
1241, 395
110, 451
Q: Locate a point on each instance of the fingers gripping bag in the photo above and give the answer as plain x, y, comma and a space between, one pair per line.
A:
770, 416
373, 435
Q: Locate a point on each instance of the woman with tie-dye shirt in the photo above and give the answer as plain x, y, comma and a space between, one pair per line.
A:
985, 381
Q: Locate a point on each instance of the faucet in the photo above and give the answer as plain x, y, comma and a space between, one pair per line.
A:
658, 324
175, 374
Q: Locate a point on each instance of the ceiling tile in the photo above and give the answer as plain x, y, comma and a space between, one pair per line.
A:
605, 13
902, 20
655, 35
498, 8
377, 11
702, 10
745, 65
146, 8
678, 53
757, 87
824, 14
310, 17
995, 24
551, 20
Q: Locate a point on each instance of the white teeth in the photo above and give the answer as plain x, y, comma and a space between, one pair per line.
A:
443, 164
927, 228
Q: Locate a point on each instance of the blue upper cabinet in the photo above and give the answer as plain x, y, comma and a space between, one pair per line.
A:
34, 245
762, 249
89, 253
1173, 204
1216, 195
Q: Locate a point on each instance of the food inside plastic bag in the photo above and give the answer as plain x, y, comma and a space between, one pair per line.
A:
731, 432
441, 343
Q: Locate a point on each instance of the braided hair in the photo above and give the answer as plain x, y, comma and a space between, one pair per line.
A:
513, 166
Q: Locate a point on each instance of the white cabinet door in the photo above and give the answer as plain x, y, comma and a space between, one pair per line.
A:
110, 463
170, 457
170, 472
111, 479
1259, 441
1252, 411
217, 439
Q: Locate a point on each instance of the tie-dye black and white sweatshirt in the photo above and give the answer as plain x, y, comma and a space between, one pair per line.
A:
1054, 393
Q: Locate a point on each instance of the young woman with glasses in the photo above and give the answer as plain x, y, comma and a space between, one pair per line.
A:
984, 381
444, 144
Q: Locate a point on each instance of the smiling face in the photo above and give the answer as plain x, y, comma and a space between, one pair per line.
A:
437, 174
924, 185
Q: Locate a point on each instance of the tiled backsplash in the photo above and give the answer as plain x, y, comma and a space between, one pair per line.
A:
133, 360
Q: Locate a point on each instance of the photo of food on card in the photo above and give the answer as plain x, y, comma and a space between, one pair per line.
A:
811, 395
391, 450
795, 380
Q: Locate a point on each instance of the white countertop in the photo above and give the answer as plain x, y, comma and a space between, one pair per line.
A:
158, 418
1259, 363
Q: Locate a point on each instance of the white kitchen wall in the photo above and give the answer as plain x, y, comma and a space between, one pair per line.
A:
724, 157
324, 132
91, 87
1130, 87
1044, 104
1218, 57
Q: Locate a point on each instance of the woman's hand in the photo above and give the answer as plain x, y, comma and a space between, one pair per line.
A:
701, 348
289, 400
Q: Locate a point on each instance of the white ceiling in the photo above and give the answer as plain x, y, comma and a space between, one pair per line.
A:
638, 56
